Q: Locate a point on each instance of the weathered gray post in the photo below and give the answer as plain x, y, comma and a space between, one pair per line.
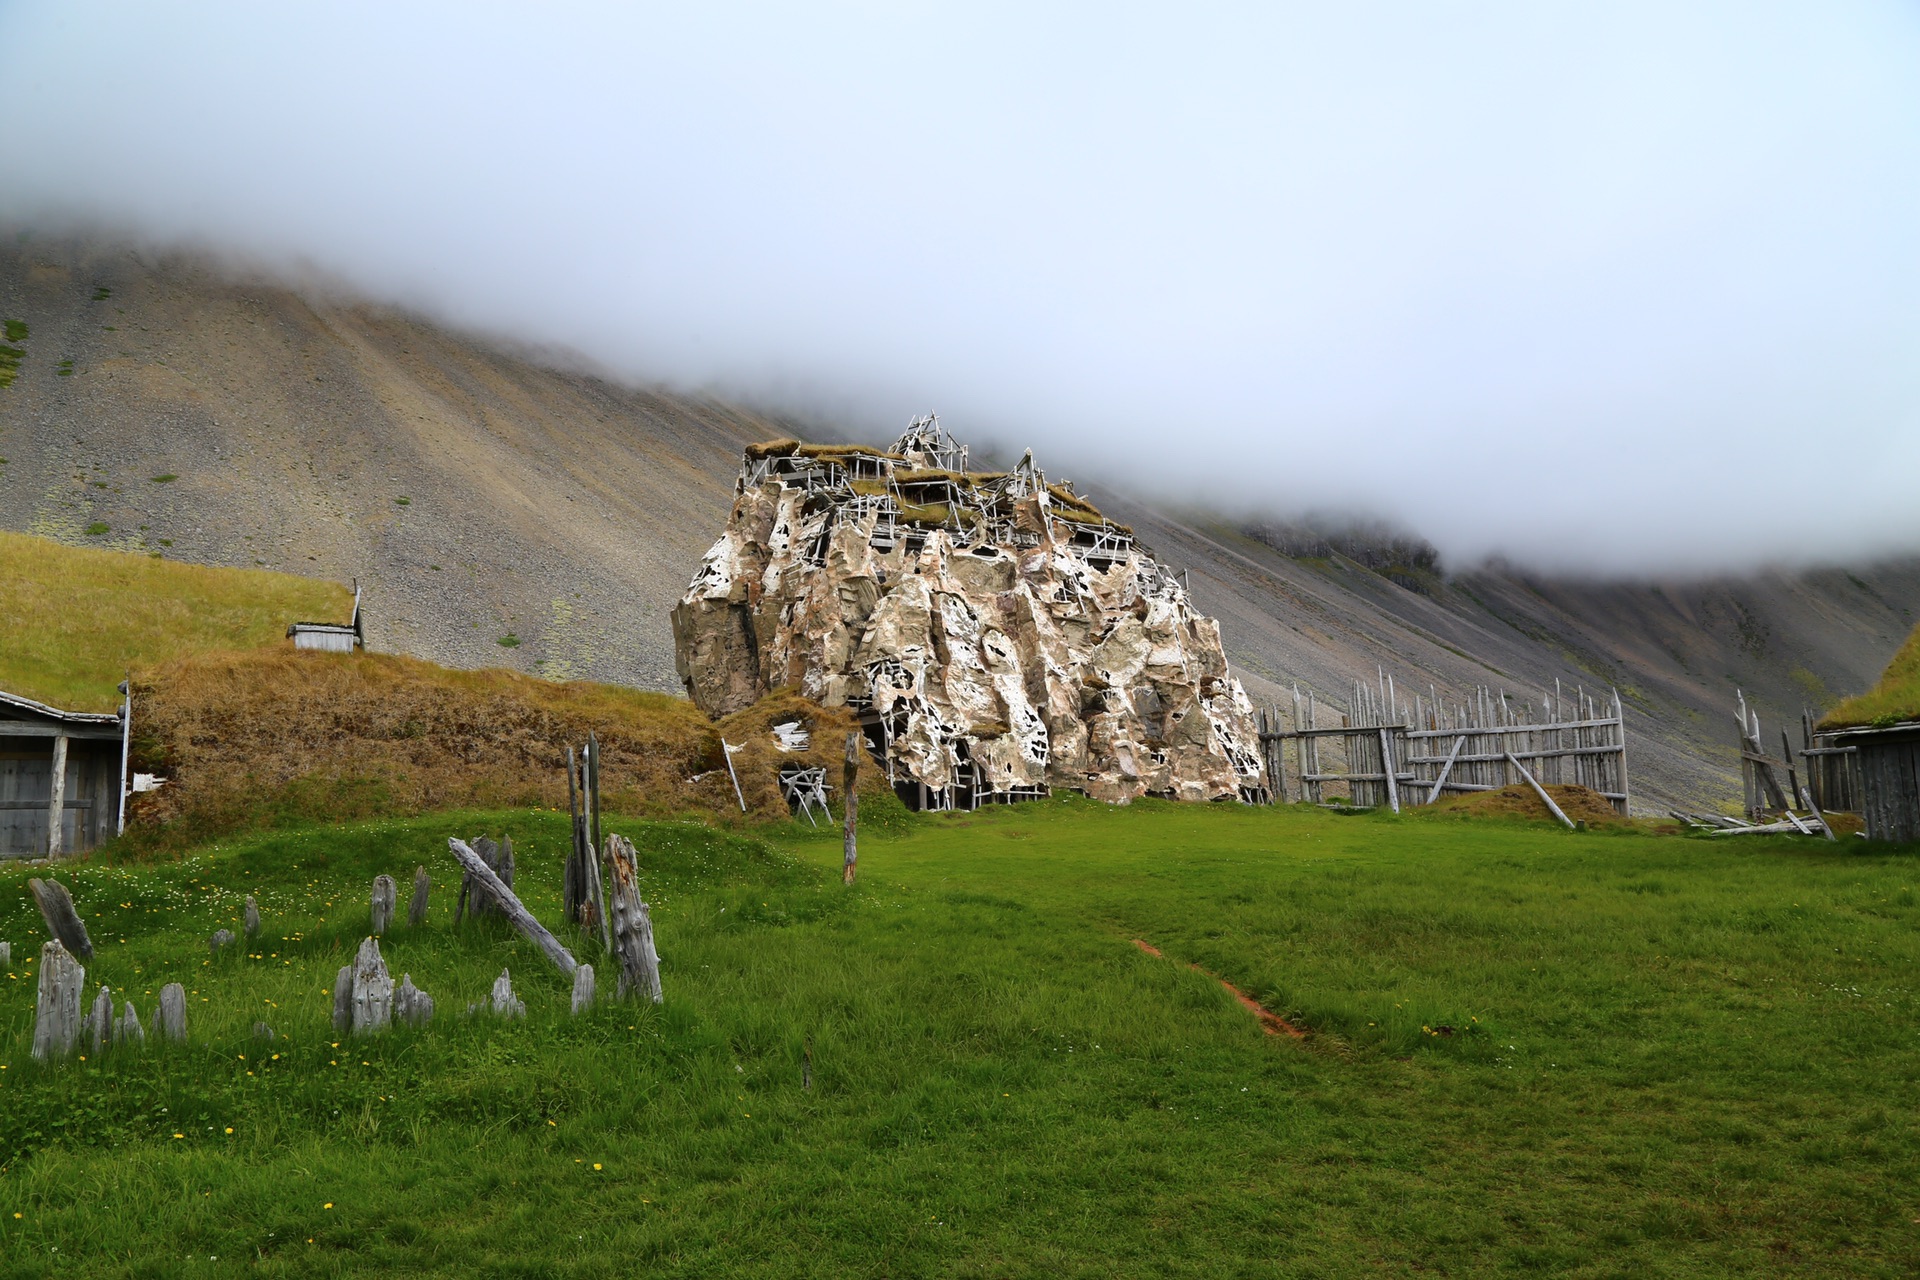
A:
170, 1019
252, 919
582, 988
505, 1003
56, 1013
343, 1000
128, 1030
417, 909
220, 938
850, 779
6, 954
57, 802
385, 894
372, 997
63, 922
411, 1005
100, 1022
632, 925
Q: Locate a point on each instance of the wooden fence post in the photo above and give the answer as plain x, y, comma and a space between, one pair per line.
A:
639, 963
170, 1017
850, 779
582, 989
100, 1022
128, 1030
381, 903
56, 1012
252, 919
411, 1005
503, 1001
417, 909
372, 989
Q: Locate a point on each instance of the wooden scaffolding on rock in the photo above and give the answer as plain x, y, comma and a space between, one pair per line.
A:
1385, 751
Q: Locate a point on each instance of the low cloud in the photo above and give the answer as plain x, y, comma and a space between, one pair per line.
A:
1624, 290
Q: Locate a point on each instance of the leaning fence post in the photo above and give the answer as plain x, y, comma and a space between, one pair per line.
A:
63, 922
1541, 792
510, 906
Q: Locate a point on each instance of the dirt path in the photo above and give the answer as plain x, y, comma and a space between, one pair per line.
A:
1273, 1023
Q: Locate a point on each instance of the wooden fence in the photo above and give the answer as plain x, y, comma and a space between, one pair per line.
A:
1384, 751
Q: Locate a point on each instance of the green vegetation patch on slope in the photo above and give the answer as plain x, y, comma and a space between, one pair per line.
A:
74, 620
1532, 1051
1894, 699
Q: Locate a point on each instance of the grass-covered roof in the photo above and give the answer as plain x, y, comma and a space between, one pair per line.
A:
1895, 699
1065, 502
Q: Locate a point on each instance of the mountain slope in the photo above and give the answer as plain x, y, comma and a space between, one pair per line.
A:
477, 496
482, 495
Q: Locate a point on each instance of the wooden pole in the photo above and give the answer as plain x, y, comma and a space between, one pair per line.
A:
850, 779
126, 750
728, 751
1541, 792
511, 907
1387, 767
57, 800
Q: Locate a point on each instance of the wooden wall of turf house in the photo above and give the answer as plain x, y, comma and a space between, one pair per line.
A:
1889, 761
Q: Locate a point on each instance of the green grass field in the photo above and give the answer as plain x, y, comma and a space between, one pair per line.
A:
73, 620
1670, 1057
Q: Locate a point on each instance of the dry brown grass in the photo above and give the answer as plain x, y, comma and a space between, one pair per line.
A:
1582, 804
276, 735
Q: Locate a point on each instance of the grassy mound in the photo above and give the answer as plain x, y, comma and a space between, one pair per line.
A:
1530, 1051
1894, 699
1582, 804
74, 620
272, 736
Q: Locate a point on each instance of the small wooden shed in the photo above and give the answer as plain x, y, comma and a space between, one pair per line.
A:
62, 778
330, 637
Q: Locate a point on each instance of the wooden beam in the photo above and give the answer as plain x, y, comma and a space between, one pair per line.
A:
33, 729
1446, 768
57, 803
510, 906
1542, 793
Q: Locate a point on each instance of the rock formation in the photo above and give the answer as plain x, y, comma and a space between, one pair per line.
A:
998, 635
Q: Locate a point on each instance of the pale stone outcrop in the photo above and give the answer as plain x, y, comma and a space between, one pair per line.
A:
1006, 638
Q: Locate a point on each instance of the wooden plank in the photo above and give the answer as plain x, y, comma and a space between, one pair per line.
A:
29, 729
1446, 768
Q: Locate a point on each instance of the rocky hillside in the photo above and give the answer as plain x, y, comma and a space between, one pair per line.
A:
500, 509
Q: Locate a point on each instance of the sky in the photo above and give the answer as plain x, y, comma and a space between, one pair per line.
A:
1615, 287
